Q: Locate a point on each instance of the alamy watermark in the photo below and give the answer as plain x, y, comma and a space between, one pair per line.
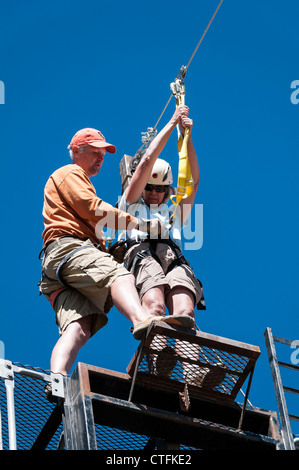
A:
191, 233
2, 92
295, 94
2, 350
295, 354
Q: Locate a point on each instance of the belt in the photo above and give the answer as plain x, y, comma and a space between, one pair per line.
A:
59, 238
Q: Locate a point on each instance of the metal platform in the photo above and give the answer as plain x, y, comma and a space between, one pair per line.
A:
160, 403
179, 390
98, 398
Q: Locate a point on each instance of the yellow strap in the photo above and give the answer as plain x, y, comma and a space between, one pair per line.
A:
185, 181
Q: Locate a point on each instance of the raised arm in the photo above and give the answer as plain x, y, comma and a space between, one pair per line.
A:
186, 204
143, 171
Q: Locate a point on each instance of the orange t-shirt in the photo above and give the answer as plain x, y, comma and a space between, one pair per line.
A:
72, 208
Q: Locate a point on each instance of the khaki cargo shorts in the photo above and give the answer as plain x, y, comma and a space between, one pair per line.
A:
149, 273
89, 273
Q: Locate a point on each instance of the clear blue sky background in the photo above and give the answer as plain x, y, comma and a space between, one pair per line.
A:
73, 64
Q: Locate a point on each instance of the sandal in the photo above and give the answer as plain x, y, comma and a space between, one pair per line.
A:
140, 329
181, 320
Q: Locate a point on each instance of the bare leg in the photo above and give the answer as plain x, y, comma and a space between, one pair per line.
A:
77, 333
153, 301
180, 300
126, 299
70, 342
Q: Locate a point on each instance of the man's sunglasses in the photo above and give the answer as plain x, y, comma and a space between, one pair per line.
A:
159, 188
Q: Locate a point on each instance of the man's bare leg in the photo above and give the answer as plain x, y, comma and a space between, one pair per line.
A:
126, 299
70, 342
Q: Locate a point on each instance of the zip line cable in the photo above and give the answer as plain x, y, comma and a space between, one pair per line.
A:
148, 136
191, 58
204, 33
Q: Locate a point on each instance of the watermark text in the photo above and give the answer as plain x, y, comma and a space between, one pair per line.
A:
190, 233
2, 350
295, 93
2, 92
295, 354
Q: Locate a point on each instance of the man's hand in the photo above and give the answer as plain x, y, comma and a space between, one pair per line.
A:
154, 227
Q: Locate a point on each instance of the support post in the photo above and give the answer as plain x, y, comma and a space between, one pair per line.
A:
78, 420
6, 372
245, 399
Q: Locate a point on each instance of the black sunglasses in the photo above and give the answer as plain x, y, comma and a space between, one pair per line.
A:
159, 188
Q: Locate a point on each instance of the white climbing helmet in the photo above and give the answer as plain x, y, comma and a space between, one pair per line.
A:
161, 173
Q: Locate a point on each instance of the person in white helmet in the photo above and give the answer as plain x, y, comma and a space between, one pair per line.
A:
163, 275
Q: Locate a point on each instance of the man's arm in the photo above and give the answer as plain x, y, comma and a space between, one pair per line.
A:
79, 193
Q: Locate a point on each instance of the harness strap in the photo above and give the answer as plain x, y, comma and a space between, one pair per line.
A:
58, 276
151, 251
177, 262
62, 263
53, 296
141, 255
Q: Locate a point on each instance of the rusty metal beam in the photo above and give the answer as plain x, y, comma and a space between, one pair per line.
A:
174, 428
49, 429
113, 388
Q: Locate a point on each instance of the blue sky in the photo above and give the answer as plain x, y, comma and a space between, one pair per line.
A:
72, 64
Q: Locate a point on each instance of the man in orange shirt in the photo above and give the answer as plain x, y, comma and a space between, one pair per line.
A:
80, 279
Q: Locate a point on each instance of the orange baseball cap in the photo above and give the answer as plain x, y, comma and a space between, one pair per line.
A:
91, 137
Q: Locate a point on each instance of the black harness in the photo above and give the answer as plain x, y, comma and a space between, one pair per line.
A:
151, 251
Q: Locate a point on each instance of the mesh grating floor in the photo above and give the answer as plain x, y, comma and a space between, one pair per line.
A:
195, 365
117, 439
218, 371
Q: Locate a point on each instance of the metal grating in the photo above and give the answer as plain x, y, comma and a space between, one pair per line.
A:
109, 438
32, 411
103, 419
200, 366
213, 365
118, 439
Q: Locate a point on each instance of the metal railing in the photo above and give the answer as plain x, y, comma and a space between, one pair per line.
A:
24, 407
289, 439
